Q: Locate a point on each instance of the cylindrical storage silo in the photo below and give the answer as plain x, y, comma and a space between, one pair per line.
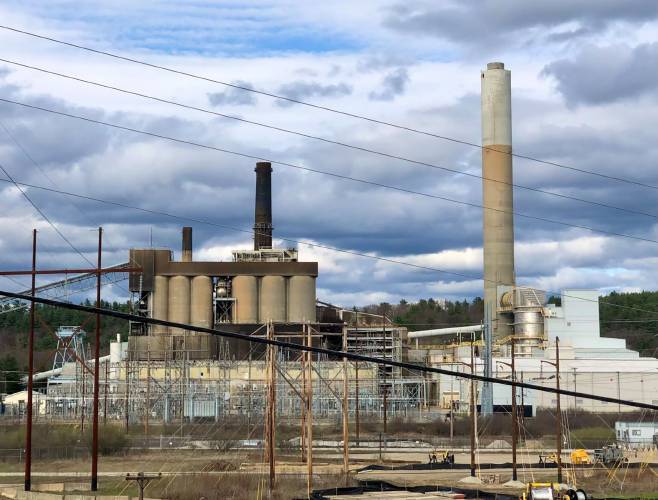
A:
179, 301
272, 299
301, 299
160, 303
201, 301
245, 293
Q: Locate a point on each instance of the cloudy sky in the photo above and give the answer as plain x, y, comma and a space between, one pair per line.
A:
585, 94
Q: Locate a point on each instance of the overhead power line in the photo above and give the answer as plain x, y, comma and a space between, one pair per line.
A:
330, 352
44, 216
320, 107
43, 172
322, 139
307, 243
324, 172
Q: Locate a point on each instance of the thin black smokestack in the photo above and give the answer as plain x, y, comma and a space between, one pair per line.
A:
187, 244
263, 219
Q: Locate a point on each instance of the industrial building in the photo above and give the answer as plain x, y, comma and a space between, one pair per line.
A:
518, 317
167, 374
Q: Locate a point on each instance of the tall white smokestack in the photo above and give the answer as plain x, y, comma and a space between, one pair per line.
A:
497, 166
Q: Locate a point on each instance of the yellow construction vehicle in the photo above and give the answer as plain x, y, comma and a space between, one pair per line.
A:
441, 457
580, 456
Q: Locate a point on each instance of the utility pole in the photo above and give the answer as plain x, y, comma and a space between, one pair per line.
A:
142, 481
127, 395
303, 403
514, 416
309, 414
271, 406
94, 443
473, 412
452, 406
346, 401
147, 404
30, 371
558, 409
357, 420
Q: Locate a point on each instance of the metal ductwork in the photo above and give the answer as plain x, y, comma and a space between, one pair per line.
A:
263, 216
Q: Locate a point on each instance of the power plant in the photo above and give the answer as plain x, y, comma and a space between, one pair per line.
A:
166, 373
262, 285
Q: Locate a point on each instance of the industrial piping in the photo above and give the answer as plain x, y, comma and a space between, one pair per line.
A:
421, 334
497, 194
57, 371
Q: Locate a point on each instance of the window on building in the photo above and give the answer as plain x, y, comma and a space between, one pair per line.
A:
636, 432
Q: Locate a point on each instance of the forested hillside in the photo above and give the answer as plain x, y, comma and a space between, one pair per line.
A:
14, 328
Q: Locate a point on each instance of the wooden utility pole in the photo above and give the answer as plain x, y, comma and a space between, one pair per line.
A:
473, 413
127, 395
357, 420
147, 403
558, 411
514, 417
271, 407
302, 362
30, 372
346, 401
97, 346
142, 481
309, 414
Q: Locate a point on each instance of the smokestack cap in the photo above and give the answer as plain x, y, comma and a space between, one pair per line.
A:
263, 166
496, 65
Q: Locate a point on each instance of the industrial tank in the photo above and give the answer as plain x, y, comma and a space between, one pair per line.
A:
179, 301
201, 301
301, 299
245, 292
160, 306
272, 299
528, 319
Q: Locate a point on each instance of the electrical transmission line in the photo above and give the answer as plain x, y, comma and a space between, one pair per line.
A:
320, 107
323, 139
324, 172
330, 352
44, 216
307, 243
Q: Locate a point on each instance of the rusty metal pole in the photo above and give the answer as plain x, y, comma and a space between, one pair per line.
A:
94, 443
346, 402
558, 411
30, 372
514, 417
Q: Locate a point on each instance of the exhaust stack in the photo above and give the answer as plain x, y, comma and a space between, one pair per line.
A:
263, 216
187, 245
497, 191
